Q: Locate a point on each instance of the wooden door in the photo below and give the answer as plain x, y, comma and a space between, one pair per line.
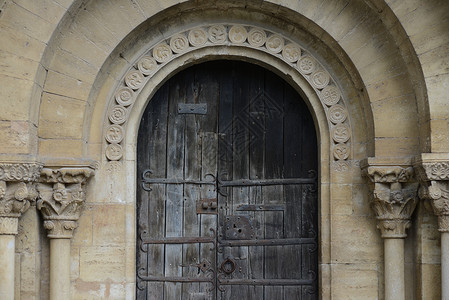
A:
226, 199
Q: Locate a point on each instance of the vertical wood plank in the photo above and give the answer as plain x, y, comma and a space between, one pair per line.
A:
256, 172
225, 159
273, 194
192, 171
208, 88
174, 196
293, 168
151, 212
240, 169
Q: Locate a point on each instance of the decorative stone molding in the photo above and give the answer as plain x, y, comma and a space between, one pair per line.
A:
393, 198
433, 174
232, 35
61, 197
17, 192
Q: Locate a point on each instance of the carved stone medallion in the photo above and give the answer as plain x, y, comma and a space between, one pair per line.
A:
162, 53
124, 96
147, 65
341, 133
179, 43
114, 152
341, 151
118, 114
330, 95
238, 34
320, 79
291, 53
275, 43
114, 133
134, 79
337, 114
217, 34
257, 37
306, 64
197, 37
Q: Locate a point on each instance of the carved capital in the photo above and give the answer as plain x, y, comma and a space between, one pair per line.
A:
389, 174
393, 197
17, 192
433, 173
62, 193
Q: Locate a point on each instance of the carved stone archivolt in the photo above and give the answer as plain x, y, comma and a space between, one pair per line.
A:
61, 197
393, 197
17, 192
434, 178
233, 35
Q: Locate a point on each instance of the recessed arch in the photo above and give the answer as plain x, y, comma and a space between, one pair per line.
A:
331, 172
241, 37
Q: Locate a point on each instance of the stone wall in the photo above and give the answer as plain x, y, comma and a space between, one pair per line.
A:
63, 63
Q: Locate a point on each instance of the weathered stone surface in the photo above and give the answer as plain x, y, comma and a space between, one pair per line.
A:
99, 264
389, 59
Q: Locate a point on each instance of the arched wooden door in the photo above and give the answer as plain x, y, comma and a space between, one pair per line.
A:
227, 198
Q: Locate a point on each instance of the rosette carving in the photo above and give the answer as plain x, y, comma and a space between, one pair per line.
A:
155, 58
393, 198
17, 192
434, 178
61, 198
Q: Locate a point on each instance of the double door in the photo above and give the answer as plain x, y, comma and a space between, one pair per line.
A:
227, 195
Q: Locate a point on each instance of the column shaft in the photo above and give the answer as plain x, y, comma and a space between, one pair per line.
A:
394, 269
7, 251
445, 265
59, 269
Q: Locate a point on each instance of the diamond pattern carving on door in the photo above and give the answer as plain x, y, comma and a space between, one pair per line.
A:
227, 188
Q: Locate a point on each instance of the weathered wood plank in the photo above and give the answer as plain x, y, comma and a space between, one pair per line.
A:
293, 168
240, 170
225, 158
208, 93
256, 172
152, 210
174, 196
192, 171
273, 169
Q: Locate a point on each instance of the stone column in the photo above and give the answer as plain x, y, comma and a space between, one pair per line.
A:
433, 173
61, 197
17, 190
393, 199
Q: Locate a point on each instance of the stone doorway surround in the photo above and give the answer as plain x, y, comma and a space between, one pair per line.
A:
348, 120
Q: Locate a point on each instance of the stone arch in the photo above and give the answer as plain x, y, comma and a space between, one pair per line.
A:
92, 78
190, 41
333, 171
342, 39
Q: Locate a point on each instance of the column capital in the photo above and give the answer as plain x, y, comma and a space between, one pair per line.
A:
17, 192
62, 192
433, 173
393, 195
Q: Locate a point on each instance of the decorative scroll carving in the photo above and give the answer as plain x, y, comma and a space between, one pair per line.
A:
393, 199
434, 178
389, 174
17, 192
27, 172
61, 197
233, 35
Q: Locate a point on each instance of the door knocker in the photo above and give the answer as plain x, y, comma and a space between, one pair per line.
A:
228, 266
